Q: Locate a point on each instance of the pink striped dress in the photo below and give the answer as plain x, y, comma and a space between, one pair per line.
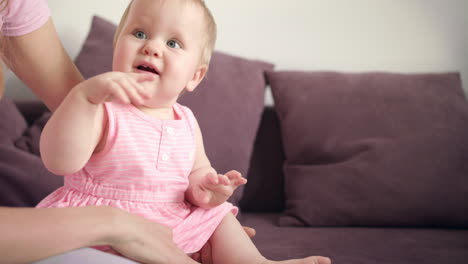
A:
144, 169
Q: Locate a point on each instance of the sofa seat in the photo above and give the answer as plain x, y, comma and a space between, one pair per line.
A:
356, 245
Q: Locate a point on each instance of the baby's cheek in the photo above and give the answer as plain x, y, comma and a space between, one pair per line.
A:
150, 87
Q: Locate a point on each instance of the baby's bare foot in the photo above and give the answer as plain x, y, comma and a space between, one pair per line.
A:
315, 260
309, 260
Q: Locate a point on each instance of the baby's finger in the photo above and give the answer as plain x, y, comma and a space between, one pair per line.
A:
212, 178
240, 181
117, 93
233, 174
223, 179
140, 89
131, 90
142, 77
139, 92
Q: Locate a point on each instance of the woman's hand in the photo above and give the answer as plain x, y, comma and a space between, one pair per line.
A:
145, 241
30, 234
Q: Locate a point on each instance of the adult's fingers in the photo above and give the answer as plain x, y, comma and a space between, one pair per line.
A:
196, 256
205, 254
250, 231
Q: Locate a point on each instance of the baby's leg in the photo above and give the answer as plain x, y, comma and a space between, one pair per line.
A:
231, 245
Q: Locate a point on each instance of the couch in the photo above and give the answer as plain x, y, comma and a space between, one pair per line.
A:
360, 167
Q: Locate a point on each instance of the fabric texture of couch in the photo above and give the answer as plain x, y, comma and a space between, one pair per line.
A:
359, 167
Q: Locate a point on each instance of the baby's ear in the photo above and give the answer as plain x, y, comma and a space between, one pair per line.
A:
197, 77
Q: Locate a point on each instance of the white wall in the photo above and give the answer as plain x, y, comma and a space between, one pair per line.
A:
343, 35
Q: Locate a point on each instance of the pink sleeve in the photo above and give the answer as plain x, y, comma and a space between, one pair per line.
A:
23, 16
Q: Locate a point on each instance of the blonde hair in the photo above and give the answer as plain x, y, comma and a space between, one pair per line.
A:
210, 29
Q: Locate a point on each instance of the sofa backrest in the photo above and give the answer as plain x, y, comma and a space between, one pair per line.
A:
264, 191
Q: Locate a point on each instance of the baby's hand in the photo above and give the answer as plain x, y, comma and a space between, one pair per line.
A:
216, 189
117, 86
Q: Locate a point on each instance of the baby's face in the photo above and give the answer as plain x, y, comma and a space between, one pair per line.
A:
165, 38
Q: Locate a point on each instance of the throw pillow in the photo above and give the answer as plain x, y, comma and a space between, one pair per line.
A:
373, 149
228, 104
24, 180
29, 142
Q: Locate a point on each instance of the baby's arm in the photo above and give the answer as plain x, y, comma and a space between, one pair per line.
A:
75, 129
207, 188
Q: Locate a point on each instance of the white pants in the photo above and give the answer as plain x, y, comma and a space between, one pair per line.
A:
85, 256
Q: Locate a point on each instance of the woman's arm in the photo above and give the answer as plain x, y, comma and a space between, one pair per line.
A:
31, 234
41, 62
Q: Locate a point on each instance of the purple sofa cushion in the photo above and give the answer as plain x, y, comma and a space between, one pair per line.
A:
228, 103
30, 140
358, 245
95, 56
12, 123
265, 190
24, 180
374, 149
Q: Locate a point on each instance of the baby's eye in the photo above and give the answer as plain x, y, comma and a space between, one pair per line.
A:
173, 44
140, 34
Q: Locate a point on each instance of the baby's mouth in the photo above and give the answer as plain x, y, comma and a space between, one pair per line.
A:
147, 69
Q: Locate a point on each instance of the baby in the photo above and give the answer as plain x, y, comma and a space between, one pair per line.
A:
122, 139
